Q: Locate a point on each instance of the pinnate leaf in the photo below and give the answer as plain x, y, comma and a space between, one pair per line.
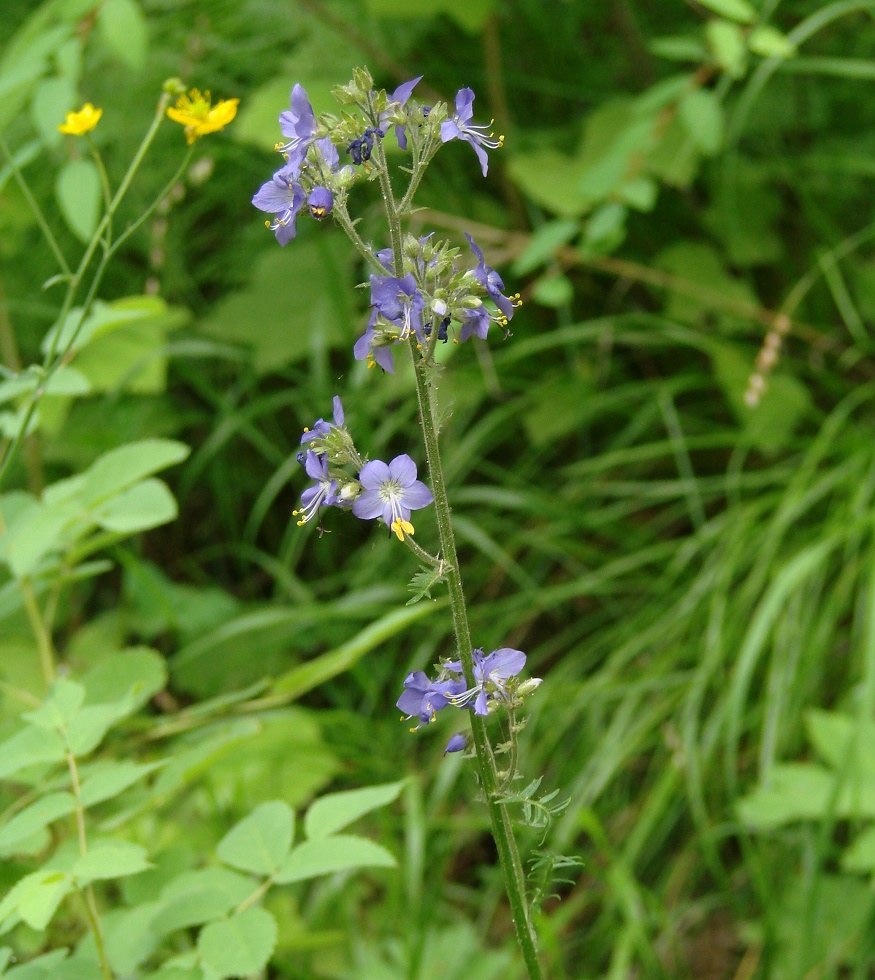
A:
330, 854
335, 811
239, 946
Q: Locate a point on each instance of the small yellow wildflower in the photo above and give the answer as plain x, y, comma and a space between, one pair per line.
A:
81, 122
194, 111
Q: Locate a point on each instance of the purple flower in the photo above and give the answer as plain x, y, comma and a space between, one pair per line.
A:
299, 124
490, 672
391, 492
475, 324
320, 202
423, 698
360, 149
399, 96
493, 284
460, 128
322, 494
400, 302
282, 197
321, 428
456, 744
367, 348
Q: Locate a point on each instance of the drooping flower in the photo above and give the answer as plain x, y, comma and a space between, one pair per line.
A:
194, 112
423, 698
282, 196
456, 743
400, 302
81, 122
460, 128
493, 284
298, 123
321, 428
391, 492
320, 202
490, 673
323, 493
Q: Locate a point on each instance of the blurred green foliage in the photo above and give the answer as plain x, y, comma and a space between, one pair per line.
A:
690, 572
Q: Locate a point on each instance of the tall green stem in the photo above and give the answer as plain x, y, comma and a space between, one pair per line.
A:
502, 828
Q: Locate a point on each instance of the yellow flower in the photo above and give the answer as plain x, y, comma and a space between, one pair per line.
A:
81, 122
199, 118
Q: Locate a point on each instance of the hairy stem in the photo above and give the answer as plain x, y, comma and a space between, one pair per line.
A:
502, 829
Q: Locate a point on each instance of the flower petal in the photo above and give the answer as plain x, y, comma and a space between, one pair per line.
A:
503, 663
416, 496
368, 505
374, 474
403, 469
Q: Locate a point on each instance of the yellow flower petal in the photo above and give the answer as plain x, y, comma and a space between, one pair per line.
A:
194, 112
83, 121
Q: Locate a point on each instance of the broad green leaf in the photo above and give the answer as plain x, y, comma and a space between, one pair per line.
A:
122, 28
261, 841
79, 196
295, 298
328, 855
56, 966
728, 46
108, 778
553, 291
605, 229
551, 179
30, 747
702, 114
130, 677
196, 897
53, 98
334, 811
677, 47
544, 244
33, 818
110, 859
128, 937
142, 506
35, 898
62, 704
121, 468
63, 381
103, 320
239, 946
88, 729
6, 954
35, 535
738, 10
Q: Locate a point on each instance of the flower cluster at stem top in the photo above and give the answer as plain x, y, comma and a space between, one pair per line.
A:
419, 302
496, 685
389, 491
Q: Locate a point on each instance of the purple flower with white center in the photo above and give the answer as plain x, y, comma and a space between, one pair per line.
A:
298, 123
400, 302
282, 196
490, 673
367, 348
456, 744
492, 283
321, 428
423, 698
391, 492
322, 494
460, 128
399, 96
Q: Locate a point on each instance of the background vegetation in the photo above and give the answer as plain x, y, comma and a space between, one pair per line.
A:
684, 551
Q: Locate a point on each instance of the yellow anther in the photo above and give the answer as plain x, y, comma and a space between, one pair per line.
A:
401, 527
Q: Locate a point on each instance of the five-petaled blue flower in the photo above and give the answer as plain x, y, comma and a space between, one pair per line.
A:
298, 123
391, 492
323, 493
282, 196
459, 128
423, 698
490, 673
